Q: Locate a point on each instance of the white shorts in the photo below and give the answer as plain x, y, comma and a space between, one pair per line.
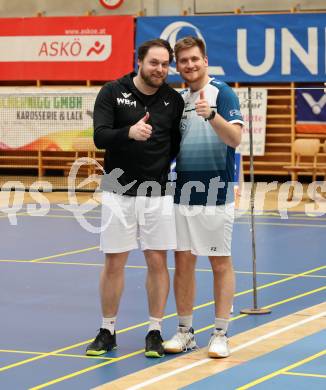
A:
205, 230
128, 221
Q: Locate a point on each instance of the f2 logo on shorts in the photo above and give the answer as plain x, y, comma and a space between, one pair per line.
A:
213, 249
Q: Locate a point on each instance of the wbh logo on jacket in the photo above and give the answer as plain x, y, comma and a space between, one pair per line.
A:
311, 111
126, 102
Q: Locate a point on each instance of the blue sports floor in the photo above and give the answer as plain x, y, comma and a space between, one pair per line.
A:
49, 304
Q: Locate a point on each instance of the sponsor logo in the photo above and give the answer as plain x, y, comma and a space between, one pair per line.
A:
183, 124
55, 48
316, 107
166, 103
235, 112
171, 32
126, 95
126, 102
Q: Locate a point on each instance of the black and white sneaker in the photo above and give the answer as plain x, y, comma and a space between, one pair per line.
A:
154, 344
103, 343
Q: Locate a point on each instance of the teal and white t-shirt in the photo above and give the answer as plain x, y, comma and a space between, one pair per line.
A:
205, 162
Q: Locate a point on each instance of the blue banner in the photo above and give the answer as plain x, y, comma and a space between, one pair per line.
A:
250, 48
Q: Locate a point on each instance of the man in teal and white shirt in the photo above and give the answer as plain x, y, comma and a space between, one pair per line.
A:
204, 198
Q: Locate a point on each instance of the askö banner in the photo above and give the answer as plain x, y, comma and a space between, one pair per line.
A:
66, 48
250, 48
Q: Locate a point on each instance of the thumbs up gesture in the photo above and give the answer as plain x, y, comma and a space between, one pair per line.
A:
146, 117
141, 131
202, 107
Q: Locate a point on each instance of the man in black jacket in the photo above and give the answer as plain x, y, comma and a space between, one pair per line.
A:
136, 121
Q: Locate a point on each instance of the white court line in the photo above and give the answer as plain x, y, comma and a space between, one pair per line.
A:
245, 345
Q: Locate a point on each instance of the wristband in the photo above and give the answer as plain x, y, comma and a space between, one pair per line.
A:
211, 116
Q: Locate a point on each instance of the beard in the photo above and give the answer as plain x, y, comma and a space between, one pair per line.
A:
151, 81
191, 77
194, 76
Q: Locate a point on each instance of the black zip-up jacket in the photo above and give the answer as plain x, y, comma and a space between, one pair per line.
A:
118, 106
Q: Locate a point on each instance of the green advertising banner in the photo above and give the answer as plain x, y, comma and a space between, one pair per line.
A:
45, 120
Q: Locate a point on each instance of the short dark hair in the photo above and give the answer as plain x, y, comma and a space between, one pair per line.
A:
144, 47
189, 42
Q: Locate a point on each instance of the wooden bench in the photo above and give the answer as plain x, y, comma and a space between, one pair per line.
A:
42, 161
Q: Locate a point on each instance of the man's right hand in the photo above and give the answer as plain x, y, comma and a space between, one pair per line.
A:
141, 131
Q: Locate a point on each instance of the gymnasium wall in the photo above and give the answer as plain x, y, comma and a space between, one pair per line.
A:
18, 8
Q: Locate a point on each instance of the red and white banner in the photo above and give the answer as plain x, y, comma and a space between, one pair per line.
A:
66, 48
259, 111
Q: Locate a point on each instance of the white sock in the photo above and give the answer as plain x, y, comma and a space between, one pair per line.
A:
109, 323
221, 323
155, 324
185, 321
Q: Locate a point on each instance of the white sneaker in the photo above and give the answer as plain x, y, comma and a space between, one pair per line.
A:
218, 346
183, 340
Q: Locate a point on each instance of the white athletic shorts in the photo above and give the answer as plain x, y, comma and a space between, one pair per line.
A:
205, 230
130, 222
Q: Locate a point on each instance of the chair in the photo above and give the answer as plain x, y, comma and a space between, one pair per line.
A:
305, 151
84, 145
